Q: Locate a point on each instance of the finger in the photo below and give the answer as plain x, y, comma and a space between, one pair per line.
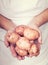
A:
40, 38
30, 55
23, 58
7, 38
37, 54
13, 51
38, 49
20, 58
6, 42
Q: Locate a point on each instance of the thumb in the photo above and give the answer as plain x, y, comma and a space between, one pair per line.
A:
40, 38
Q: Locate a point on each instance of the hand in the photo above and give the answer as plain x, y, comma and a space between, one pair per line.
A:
34, 26
20, 30
11, 46
39, 41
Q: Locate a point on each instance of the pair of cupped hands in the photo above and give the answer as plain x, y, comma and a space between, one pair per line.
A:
24, 40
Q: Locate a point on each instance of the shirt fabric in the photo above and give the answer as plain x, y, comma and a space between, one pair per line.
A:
21, 12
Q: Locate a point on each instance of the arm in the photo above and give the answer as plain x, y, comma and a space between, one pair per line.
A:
41, 18
5, 23
36, 22
8, 25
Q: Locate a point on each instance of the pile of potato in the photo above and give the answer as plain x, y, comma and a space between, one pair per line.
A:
25, 40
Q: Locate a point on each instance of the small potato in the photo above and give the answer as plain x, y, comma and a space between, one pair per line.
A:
21, 52
20, 29
31, 34
23, 43
13, 38
33, 50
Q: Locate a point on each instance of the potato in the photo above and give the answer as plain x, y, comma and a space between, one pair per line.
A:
21, 52
23, 43
33, 50
25, 40
27, 32
31, 34
20, 29
13, 38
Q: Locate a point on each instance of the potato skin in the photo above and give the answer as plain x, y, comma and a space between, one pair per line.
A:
23, 43
13, 38
24, 38
27, 32
33, 50
21, 52
31, 34
20, 29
